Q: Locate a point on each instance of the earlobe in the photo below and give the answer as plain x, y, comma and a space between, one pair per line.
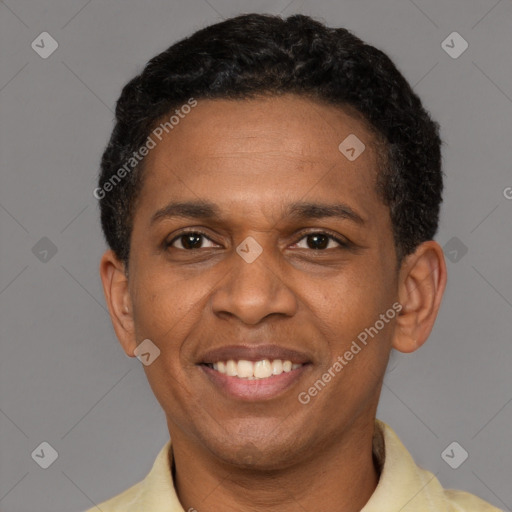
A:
117, 296
421, 287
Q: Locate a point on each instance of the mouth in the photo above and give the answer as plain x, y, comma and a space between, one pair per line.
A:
251, 370
253, 373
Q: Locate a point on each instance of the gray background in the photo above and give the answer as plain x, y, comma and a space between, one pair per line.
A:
64, 378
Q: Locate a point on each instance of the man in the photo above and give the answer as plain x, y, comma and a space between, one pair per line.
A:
270, 194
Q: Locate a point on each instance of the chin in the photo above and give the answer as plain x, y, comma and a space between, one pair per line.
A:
253, 455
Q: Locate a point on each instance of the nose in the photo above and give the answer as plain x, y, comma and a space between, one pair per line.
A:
253, 291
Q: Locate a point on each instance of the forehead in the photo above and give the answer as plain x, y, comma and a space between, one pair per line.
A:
289, 123
264, 150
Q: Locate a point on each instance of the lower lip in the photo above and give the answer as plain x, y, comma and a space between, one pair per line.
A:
254, 389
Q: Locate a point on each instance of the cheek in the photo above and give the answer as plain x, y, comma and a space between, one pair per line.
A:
166, 321
166, 314
358, 345
160, 298
354, 298
349, 310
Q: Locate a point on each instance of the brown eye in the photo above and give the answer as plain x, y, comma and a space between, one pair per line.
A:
320, 241
317, 241
189, 241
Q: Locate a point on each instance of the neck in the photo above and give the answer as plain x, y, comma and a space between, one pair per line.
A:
339, 476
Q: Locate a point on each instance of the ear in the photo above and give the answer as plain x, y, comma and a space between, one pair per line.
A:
421, 288
117, 295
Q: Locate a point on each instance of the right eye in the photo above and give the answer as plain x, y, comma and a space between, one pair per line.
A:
189, 240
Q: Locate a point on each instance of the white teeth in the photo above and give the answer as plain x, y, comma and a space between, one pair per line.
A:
231, 368
255, 370
262, 369
277, 366
245, 369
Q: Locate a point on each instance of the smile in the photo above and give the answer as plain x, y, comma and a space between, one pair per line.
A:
252, 370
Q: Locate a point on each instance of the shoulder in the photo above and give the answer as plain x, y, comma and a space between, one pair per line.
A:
122, 500
403, 485
462, 501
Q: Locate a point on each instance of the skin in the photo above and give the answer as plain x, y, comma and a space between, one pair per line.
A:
252, 158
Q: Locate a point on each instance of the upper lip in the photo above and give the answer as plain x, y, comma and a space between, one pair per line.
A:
253, 353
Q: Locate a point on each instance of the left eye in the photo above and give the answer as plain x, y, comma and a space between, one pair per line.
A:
319, 241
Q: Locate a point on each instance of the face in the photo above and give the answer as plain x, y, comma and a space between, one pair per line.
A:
282, 256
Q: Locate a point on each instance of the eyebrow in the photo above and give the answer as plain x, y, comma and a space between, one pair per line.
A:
303, 210
201, 209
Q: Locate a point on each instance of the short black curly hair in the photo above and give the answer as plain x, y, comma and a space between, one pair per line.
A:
255, 54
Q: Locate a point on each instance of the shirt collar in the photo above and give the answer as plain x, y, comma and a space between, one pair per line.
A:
402, 486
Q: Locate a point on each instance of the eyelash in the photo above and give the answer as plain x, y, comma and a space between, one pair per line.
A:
344, 244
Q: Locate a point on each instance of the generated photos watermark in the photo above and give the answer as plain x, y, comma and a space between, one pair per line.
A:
304, 397
149, 144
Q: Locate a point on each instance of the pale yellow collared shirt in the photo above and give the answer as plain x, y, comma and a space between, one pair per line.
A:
403, 486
